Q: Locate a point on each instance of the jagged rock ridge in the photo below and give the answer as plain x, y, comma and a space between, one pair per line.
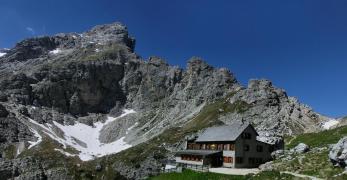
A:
69, 78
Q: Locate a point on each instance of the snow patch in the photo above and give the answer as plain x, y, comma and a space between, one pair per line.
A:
2, 54
55, 51
330, 123
39, 138
65, 153
85, 138
97, 50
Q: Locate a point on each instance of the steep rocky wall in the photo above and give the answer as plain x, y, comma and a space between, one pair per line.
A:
273, 112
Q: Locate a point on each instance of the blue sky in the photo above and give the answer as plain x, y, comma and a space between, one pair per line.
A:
301, 45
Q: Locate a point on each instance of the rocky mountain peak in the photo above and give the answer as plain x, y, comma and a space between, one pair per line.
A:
101, 36
260, 89
110, 33
109, 29
197, 64
157, 61
259, 84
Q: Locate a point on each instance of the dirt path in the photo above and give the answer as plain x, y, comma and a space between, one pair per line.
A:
300, 175
290, 141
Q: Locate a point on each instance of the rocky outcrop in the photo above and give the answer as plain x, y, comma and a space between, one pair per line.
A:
277, 154
29, 168
272, 111
338, 153
12, 130
80, 88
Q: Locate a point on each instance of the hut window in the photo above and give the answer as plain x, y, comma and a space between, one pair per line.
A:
220, 146
232, 147
239, 160
213, 147
227, 159
259, 148
226, 147
246, 135
246, 147
203, 146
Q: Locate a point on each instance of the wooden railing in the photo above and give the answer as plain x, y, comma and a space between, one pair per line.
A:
200, 168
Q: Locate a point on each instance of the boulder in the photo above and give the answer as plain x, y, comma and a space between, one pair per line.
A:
277, 154
98, 167
267, 166
300, 148
338, 153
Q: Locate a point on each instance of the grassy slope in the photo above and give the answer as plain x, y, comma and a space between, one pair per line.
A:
319, 139
313, 163
10, 152
192, 175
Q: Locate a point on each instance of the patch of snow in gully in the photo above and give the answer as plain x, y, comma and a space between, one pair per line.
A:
39, 139
55, 51
330, 123
2, 54
63, 152
91, 147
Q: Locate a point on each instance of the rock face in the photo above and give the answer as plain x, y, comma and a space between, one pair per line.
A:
272, 111
3, 112
29, 168
338, 153
70, 78
11, 129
